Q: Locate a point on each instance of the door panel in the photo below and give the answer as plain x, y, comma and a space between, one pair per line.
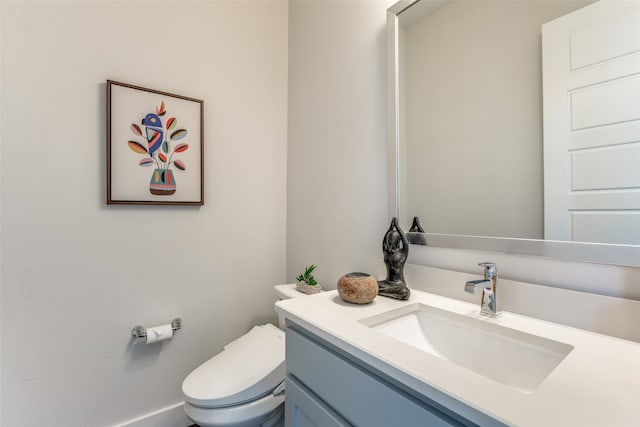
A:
591, 93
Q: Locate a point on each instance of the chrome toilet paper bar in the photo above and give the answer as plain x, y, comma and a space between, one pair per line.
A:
140, 331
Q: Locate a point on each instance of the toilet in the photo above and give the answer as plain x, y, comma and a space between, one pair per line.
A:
242, 386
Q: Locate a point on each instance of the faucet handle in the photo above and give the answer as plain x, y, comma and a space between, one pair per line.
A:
490, 269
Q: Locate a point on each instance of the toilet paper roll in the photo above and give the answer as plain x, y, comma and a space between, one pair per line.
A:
159, 333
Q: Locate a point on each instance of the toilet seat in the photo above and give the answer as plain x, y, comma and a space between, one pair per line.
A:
247, 370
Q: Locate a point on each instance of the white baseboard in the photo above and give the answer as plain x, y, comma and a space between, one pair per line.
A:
170, 416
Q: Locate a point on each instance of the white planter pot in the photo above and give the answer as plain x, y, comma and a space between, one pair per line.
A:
308, 289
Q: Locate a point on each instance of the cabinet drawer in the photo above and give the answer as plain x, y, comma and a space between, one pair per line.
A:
303, 409
355, 393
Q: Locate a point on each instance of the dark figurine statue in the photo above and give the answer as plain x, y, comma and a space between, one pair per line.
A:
416, 235
395, 248
416, 227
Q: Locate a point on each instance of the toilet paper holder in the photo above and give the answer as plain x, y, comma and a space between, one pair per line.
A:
140, 331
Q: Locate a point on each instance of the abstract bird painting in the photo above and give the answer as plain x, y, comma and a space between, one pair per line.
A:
160, 148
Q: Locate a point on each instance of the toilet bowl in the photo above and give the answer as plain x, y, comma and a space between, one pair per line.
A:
243, 385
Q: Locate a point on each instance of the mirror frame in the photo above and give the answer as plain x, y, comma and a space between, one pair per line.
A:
627, 255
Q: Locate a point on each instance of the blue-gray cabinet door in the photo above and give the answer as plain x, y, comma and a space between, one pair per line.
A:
303, 409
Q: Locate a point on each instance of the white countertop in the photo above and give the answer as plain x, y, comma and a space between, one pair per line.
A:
597, 384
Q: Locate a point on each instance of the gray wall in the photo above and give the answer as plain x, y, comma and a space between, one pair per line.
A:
337, 172
77, 275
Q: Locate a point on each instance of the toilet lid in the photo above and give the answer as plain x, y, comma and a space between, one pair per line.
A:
247, 368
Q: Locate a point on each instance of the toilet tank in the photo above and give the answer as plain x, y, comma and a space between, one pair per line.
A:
287, 291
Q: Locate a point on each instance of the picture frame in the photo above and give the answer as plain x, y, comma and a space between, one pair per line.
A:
155, 146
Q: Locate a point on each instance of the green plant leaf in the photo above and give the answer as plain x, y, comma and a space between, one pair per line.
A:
309, 270
307, 277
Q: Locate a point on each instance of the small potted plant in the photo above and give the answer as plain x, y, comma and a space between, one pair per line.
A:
307, 283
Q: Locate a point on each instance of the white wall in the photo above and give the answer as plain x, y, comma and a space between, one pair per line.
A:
337, 172
77, 275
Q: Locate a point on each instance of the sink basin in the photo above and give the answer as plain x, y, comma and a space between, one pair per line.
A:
508, 356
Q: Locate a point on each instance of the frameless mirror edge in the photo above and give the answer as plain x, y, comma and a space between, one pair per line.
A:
624, 255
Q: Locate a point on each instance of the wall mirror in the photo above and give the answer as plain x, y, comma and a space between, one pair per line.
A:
465, 127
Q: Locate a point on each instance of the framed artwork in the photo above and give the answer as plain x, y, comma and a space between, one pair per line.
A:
155, 143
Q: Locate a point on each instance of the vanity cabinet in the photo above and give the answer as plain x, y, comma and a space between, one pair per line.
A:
328, 387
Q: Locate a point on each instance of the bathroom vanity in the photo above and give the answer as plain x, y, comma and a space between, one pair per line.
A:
324, 381
438, 361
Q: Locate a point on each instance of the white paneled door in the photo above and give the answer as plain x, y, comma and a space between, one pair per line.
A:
591, 92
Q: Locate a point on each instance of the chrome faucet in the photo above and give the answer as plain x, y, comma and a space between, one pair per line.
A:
489, 303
